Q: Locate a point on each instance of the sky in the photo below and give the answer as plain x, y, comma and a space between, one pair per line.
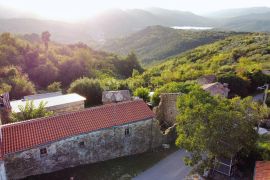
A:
80, 9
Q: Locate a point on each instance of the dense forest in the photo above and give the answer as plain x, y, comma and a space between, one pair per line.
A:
156, 43
238, 60
32, 64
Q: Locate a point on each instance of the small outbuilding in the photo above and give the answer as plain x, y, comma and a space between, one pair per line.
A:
56, 102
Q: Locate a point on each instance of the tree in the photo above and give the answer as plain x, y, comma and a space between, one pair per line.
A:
128, 65
44, 74
45, 36
29, 111
89, 88
54, 87
216, 127
15, 82
237, 85
172, 87
142, 93
71, 70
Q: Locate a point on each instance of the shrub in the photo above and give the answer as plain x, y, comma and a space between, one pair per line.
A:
54, 87
172, 87
237, 85
89, 88
142, 93
29, 111
263, 148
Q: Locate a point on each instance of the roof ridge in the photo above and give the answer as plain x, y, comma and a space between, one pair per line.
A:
66, 114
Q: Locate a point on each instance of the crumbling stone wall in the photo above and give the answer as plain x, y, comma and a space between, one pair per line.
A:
98, 146
64, 108
167, 109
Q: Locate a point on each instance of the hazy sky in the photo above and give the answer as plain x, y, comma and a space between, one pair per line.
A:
76, 9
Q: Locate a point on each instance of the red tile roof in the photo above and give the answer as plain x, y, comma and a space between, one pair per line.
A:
262, 170
28, 134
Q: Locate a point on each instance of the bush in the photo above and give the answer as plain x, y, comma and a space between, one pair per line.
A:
172, 87
29, 111
142, 93
263, 148
54, 87
237, 85
89, 88
257, 79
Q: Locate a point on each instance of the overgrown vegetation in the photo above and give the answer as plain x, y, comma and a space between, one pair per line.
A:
29, 111
237, 60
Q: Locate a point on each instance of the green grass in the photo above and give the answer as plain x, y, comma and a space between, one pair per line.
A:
111, 169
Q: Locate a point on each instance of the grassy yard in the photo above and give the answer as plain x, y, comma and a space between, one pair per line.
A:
120, 168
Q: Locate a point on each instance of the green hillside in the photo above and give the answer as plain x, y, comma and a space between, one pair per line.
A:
26, 66
157, 43
237, 60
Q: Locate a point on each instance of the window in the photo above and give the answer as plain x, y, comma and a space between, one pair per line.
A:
127, 131
43, 151
81, 144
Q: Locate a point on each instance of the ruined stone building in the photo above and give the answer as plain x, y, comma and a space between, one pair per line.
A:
95, 134
166, 112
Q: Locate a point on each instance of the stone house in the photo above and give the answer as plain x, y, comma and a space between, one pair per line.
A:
217, 88
207, 79
95, 134
56, 102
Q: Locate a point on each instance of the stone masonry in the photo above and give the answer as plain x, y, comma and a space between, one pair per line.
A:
88, 148
167, 111
75, 106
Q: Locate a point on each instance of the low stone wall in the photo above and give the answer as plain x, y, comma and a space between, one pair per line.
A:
65, 108
98, 146
167, 109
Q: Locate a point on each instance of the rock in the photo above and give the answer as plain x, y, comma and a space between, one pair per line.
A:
166, 146
125, 177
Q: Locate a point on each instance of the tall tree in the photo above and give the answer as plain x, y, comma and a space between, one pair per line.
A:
45, 36
216, 127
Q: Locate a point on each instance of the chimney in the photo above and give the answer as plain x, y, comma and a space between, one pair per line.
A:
5, 108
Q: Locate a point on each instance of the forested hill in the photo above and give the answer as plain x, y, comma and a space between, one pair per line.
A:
27, 66
237, 60
156, 43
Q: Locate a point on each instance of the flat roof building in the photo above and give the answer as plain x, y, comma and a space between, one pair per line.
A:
54, 102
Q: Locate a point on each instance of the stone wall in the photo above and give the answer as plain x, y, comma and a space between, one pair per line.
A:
98, 146
167, 109
64, 108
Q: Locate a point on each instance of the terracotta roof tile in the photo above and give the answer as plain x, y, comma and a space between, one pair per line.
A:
31, 133
262, 170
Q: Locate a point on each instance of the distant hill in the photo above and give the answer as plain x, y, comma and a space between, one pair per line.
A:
230, 13
117, 23
156, 43
61, 31
248, 23
109, 24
